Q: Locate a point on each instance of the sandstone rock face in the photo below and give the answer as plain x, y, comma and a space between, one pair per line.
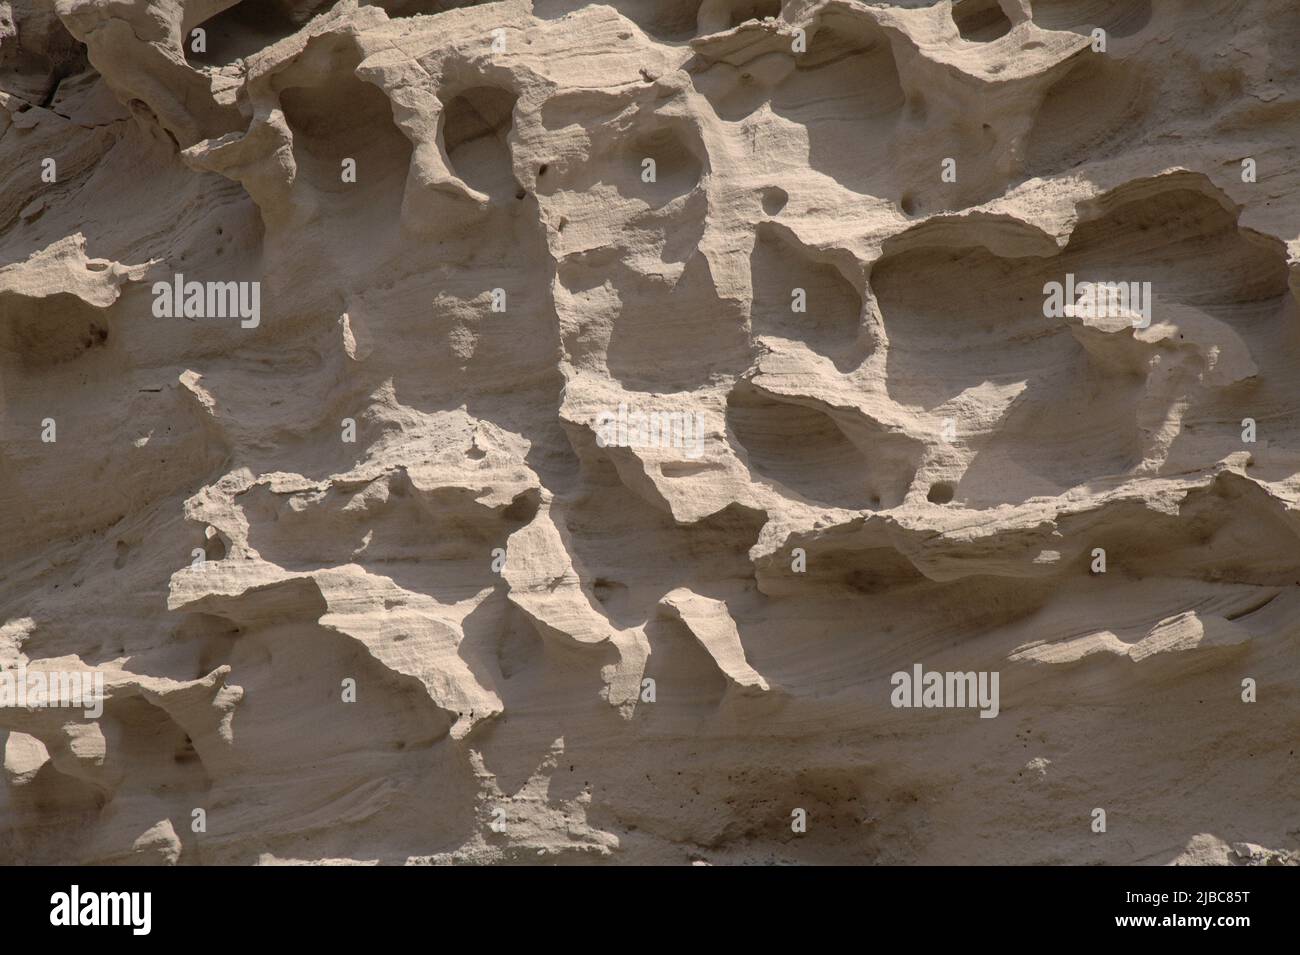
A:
606, 432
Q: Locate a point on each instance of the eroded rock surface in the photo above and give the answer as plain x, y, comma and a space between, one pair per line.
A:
370, 552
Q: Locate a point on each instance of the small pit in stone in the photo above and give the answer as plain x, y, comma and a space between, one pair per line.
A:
774, 200
941, 492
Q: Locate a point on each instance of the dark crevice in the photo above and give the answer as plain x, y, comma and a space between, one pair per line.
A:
980, 21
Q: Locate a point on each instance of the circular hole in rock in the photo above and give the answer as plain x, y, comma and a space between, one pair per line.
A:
941, 492
774, 200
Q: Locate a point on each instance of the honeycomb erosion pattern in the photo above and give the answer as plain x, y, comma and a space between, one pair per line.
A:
917, 469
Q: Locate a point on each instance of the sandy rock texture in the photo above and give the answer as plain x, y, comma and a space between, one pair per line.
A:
331, 338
